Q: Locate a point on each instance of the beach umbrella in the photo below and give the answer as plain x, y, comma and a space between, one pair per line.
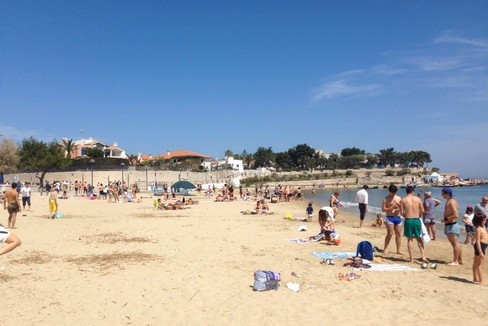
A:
183, 185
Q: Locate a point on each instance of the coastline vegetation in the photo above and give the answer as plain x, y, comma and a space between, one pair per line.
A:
33, 155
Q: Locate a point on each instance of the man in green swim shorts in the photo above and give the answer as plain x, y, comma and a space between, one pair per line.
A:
412, 209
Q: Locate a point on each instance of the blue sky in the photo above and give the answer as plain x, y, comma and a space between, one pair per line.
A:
208, 76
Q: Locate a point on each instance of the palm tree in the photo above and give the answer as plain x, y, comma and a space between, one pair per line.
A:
229, 153
68, 145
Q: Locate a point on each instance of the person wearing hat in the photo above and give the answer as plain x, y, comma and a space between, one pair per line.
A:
451, 228
430, 204
482, 207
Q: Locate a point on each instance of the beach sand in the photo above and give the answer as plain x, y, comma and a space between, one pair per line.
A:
129, 264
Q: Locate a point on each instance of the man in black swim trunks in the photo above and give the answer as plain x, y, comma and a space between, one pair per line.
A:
12, 204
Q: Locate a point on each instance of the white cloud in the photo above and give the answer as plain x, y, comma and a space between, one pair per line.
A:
449, 62
342, 87
451, 39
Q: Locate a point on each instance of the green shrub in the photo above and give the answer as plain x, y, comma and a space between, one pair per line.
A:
389, 173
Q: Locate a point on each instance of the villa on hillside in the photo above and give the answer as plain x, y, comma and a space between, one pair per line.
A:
82, 146
178, 156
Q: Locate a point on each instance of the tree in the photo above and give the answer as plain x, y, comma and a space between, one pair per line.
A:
264, 157
371, 160
229, 153
284, 161
8, 156
352, 151
68, 145
39, 157
95, 153
333, 161
419, 158
247, 158
303, 156
387, 156
351, 161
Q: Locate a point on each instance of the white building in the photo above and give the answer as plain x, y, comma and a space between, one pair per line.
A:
235, 165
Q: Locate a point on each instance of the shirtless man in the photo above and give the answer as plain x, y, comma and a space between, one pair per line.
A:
451, 228
53, 203
391, 206
412, 209
12, 204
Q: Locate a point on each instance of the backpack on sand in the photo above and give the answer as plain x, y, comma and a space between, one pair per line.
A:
365, 250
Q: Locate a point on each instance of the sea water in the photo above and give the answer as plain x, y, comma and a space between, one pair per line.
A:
464, 195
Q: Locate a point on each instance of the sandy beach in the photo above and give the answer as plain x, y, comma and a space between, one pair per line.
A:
130, 264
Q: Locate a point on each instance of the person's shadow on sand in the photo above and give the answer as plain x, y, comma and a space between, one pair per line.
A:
457, 279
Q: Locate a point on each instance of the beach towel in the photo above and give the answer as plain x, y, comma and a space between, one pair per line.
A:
300, 240
334, 255
391, 268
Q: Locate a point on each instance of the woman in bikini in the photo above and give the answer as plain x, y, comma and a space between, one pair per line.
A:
335, 203
481, 237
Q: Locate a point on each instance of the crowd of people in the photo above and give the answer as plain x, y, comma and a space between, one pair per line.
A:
418, 219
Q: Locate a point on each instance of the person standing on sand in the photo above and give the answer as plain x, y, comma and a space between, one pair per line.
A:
53, 203
479, 221
430, 204
25, 192
412, 209
12, 204
391, 206
362, 200
335, 203
451, 228
482, 207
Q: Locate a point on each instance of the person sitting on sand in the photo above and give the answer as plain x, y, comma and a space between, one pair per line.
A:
265, 206
326, 222
191, 201
219, 198
379, 221
259, 207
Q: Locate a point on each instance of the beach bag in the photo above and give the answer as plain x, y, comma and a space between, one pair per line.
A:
365, 250
266, 280
425, 234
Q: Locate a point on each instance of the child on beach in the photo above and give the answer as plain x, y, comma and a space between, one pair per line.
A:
468, 224
479, 221
379, 221
309, 211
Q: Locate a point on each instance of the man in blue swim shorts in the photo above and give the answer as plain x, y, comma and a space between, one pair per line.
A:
412, 209
391, 206
451, 228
